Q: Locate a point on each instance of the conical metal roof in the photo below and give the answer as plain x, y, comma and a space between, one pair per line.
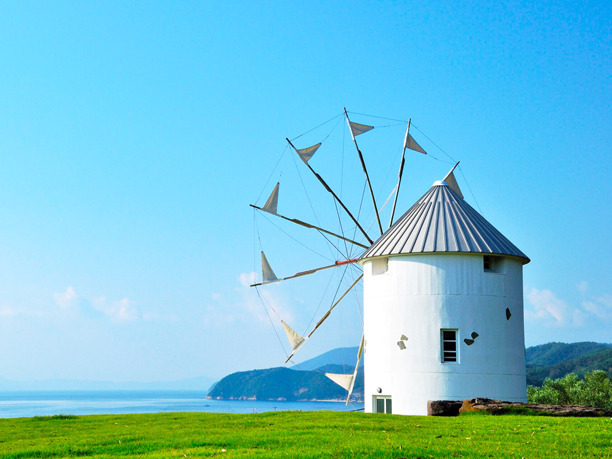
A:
442, 222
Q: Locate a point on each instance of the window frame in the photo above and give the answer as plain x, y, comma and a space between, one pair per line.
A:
387, 402
443, 351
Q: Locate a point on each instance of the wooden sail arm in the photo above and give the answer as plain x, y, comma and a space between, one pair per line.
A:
400, 173
308, 225
327, 187
365, 171
328, 312
310, 271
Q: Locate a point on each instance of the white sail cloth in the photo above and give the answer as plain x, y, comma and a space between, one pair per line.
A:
295, 340
267, 275
412, 144
451, 181
340, 379
358, 129
306, 153
271, 204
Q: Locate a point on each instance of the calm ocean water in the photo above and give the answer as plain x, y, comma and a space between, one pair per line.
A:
46, 403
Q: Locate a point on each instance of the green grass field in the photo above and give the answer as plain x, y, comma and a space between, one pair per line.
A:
304, 435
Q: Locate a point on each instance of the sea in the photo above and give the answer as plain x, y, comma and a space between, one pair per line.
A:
17, 404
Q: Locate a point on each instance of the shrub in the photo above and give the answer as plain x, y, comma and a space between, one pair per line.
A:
594, 390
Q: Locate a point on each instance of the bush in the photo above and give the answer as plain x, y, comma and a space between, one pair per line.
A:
595, 390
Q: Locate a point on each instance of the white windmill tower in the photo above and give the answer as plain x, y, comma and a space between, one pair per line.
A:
443, 298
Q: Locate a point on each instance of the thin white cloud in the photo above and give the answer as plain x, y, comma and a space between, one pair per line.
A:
600, 307
120, 311
67, 299
550, 311
247, 279
547, 308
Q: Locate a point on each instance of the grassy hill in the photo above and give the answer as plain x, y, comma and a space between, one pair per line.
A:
295, 434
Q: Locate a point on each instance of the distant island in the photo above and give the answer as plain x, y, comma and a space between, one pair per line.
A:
307, 382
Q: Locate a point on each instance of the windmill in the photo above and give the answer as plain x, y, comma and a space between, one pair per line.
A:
443, 305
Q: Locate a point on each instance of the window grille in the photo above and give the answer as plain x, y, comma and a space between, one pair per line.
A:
449, 346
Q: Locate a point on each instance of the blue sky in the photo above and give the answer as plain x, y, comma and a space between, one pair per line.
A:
134, 136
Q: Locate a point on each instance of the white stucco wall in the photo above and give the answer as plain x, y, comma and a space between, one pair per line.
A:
417, 297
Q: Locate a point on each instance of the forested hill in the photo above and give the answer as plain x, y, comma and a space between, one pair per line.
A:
555, 360
553, 353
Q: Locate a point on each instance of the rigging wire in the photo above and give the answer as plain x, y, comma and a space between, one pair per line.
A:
470, 188
360, 206
381, 209
383, 185
273, 170
434, 143
341, 228
303, 245
334, 245
270, 319
380, 117
309, 201
258, 235
317, 127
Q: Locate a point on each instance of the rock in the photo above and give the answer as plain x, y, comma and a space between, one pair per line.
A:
443, 408
453, 408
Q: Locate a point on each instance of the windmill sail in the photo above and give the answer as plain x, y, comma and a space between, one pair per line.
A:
304, 273
306, 153
267, 274
271, 205
358, 129
342, 380
409, 142
295, 340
